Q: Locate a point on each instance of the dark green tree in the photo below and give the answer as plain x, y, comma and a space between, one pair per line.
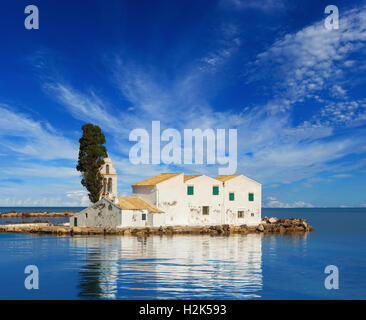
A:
91, 154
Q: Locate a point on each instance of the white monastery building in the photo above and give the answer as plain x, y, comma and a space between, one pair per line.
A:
171, 199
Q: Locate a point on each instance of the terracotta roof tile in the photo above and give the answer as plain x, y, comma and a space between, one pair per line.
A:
157, 179
191, 176
135, 203
224, 178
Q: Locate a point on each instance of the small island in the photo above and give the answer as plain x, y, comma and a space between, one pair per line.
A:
168, 203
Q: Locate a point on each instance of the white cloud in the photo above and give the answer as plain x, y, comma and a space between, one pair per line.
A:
271, 147
86, 107
310, 60
39, 171
262, 5
342, 175
23, 135
79, 198
274, 203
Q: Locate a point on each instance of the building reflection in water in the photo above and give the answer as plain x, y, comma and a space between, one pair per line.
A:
163, 267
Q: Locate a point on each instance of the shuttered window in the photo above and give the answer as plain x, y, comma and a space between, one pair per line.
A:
205, 211
251, 196
231, 196
190, 190
215, 190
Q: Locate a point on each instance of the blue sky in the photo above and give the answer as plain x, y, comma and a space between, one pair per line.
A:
294, 90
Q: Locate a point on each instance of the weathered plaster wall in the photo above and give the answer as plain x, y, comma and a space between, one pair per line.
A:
170, 195
203, 196
101, 214
133, 218
146, 193
242, 186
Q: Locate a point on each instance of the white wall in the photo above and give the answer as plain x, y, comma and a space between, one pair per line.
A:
203, 196
158, 219
242, 186
133, 218
170, 198
106, 214
146, 193
101, 214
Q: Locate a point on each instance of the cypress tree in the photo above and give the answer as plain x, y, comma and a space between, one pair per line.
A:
91, 154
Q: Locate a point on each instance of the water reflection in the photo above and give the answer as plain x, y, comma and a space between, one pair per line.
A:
178, 267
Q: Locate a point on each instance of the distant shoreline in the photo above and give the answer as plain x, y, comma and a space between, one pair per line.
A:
46, 214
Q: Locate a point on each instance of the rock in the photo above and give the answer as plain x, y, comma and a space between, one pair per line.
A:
282, 229
140, 233
272, 225
272, 220
205, 229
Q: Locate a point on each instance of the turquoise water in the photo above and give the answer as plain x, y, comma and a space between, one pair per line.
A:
194, 267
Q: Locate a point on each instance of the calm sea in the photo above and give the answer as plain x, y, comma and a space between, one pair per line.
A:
193, 267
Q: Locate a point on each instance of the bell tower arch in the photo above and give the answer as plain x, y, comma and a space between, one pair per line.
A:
109, 175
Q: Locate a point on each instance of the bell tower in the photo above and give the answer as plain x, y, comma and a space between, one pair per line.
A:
109, 175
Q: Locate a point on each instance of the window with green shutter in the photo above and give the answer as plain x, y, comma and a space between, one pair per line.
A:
231, 196
190, 190
215, 190
251, 196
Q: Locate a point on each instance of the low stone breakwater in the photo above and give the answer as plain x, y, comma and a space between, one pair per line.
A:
46, 214
268, 225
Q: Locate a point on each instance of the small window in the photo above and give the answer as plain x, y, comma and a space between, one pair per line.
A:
190, 190
215, 190
75, 222
143, 217
205, 210
86, 215
251, 196
252, 214
109, 185
240, 214
107, 169
231, 196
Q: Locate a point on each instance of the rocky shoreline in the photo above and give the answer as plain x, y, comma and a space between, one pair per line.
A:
46, 214
268, 225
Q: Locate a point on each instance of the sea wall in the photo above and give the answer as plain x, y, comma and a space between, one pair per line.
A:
268, 225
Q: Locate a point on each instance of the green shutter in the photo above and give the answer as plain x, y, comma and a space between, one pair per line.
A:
251, 196
190, 190
215, 190
231, 196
